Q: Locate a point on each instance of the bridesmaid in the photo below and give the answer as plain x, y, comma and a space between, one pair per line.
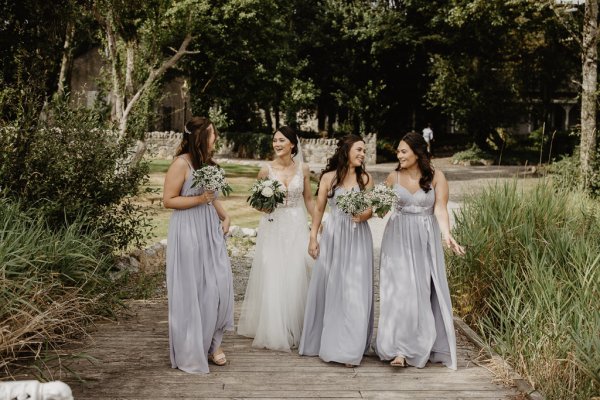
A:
338, 321
199, 280
415, 320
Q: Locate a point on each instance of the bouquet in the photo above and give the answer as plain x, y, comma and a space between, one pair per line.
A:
211, 177
382, 199
352, 203
266, 194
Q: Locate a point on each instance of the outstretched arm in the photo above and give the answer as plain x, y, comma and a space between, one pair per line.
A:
441, 212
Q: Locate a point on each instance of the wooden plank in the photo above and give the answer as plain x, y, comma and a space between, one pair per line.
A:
134, 364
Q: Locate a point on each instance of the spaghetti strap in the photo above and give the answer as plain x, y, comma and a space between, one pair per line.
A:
271, 172
398, 177
187, 162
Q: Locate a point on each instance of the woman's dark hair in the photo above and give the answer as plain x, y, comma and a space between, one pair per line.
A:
338, 162
195, 141
290, 135
419, 146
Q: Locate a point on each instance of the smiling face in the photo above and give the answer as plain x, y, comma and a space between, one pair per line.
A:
356, 155
282, 145
405, 155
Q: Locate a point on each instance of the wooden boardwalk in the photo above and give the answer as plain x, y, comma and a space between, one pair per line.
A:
133, 364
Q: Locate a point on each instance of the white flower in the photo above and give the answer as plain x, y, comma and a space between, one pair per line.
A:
269, 183
267, 192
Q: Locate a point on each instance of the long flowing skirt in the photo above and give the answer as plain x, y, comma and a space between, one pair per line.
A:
273, 307
199, 285
415, 319
338, 322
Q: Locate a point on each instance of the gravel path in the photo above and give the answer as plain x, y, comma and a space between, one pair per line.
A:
463, 181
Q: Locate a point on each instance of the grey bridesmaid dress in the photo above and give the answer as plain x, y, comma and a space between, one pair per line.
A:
199, 284
415, 319
338, 320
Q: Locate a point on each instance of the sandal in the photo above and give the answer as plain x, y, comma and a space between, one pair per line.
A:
399, 361
218, 358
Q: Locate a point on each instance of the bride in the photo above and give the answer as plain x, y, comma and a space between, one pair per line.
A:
273, 308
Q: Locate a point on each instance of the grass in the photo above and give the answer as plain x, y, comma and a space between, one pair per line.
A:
530, 283
52, 284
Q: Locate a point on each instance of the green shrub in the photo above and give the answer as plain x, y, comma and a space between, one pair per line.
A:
52, 283
69, 167
251, 144
474, 153
386, 150
530, 282
566, 173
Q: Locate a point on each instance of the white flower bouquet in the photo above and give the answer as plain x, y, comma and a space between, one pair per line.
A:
382, 199
353, 202
266, 194
211, 177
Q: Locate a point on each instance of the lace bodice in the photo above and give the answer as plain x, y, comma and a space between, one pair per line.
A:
295, 189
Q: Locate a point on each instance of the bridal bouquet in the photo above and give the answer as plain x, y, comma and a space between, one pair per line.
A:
211, 177
266, 194
382, 199
352, 202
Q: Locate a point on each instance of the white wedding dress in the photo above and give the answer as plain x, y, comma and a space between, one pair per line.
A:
273, 308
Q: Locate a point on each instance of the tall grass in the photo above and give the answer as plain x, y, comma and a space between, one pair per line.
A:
531, 283
52, 283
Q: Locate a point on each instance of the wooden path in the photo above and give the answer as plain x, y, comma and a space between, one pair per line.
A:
133, 364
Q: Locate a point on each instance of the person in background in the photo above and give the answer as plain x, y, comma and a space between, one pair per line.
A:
428, 136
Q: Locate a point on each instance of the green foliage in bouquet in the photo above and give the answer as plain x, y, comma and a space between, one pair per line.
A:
211, 177
266, 194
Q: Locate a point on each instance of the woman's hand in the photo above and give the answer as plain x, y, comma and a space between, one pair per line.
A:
225, 224
363, 216
453, 245
313, 248
208, 196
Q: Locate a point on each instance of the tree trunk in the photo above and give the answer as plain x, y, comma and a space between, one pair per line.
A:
66, 58
115, 75
129, 69
268, 118
277, 118
588, 92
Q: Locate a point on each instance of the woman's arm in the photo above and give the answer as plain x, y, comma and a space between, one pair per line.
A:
391, 179
263, 173
368, 213
172, 188
307, 192
223, 216
441, 212
319, 209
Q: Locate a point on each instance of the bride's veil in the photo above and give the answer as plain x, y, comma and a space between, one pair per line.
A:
299, 157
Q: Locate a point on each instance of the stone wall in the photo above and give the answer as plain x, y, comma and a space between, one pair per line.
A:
317, 151
163, 145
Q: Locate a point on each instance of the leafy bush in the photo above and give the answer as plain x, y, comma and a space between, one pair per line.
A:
52, 282
530, 282
250, 144
472, 154
68, 168
566, 173
386, 150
